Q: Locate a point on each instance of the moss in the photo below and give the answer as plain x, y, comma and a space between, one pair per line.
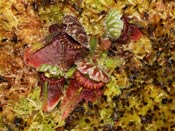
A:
140, 95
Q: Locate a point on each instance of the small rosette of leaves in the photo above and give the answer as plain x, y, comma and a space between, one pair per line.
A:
50, 70
114, 24
54, 71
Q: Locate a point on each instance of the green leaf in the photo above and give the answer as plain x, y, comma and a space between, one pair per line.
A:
70, 72
93, 43
114, 24
45, 91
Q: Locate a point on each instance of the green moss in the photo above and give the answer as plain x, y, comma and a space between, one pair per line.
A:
30, 109
51, 14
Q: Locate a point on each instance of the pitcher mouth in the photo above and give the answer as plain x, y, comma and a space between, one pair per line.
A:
69, 42
52, 80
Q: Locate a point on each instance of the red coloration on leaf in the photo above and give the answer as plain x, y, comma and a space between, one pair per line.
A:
135, 33
87, 82
94, 73
30, 59
71, 99
45, 55
55, 28
75, 30
53, 98
130, 32
125, 32
83, 87
57, 53
66, 43
51, 91
74, 94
